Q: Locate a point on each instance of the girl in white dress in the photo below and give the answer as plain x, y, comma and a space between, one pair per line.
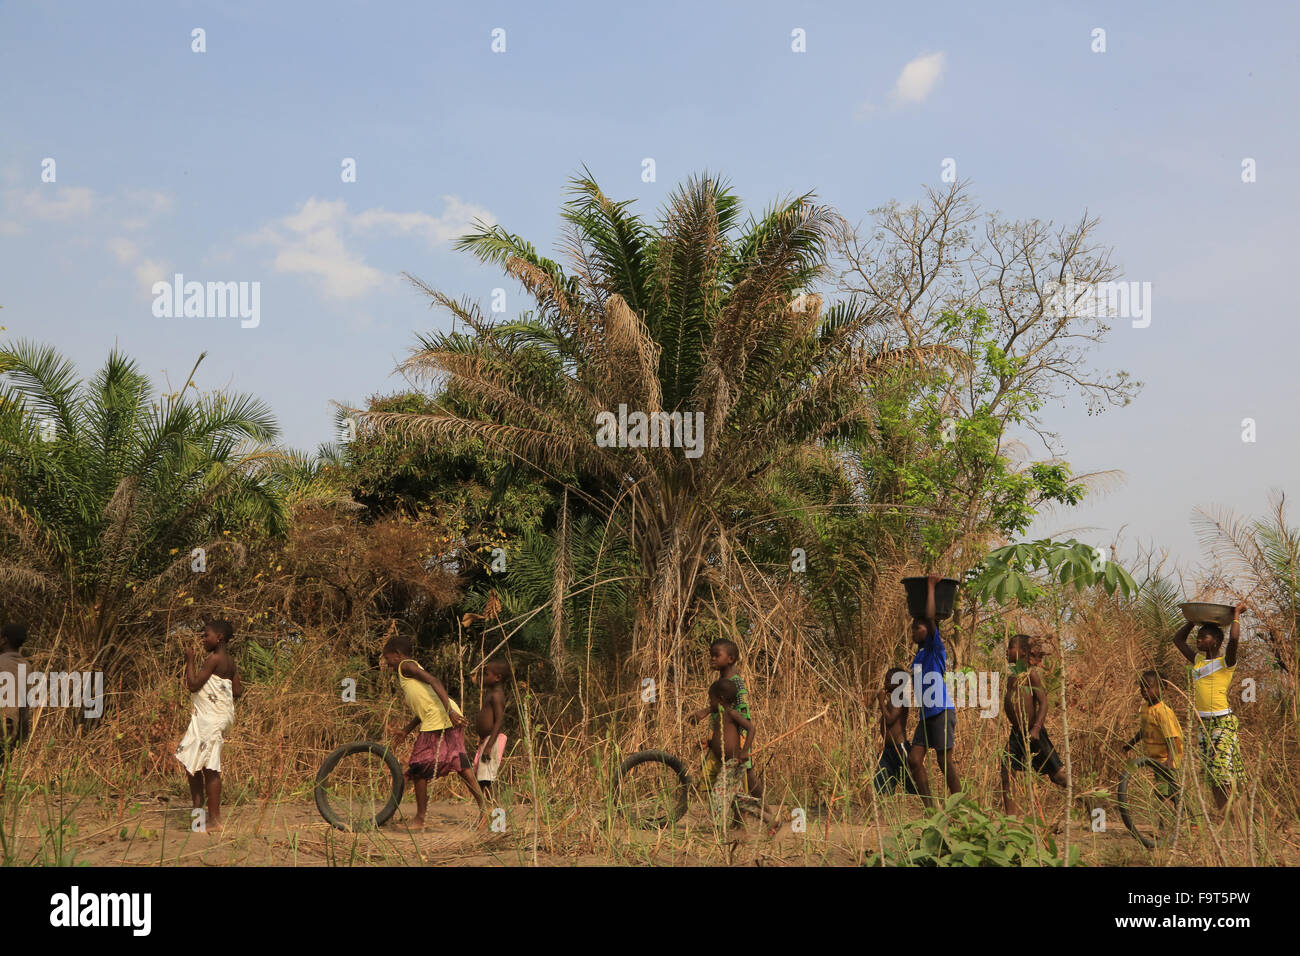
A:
215, 685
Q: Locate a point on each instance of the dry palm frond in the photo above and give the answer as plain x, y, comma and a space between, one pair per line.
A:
629, 367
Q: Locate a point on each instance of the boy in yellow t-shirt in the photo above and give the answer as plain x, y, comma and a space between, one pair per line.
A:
440, 746
1211, 676
1161, 736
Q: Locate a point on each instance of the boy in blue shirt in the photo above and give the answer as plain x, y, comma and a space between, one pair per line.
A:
937, 728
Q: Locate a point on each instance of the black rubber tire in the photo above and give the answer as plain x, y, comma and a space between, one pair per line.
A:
332, 761
1121, 797
678, 810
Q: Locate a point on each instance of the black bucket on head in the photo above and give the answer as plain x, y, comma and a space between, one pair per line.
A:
945, 594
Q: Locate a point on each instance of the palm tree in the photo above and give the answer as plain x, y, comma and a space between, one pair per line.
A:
106, 486
697, 313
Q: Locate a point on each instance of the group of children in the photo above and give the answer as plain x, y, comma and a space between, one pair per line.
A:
1025, 703
440, 744
439, 748
728, 771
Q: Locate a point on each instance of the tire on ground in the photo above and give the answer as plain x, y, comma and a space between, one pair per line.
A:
672, 763
332, 761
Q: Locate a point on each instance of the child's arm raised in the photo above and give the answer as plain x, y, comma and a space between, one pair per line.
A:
930, 581
1230, 654
887, 709
194, 681
1180, 641
412, 669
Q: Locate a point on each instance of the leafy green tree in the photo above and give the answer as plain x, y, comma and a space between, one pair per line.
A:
469, 480
951, 466
697, 313
106, 486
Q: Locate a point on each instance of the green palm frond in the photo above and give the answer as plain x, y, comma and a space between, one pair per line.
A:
43, 383
128, 476
613, 245
695, 313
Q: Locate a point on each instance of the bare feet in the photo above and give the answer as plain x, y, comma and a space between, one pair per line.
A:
416, 825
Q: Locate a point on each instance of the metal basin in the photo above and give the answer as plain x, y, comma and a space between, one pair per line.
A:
1198, 613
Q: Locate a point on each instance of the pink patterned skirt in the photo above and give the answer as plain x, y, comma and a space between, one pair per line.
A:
437, 753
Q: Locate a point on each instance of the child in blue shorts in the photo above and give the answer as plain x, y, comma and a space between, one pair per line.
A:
937, 729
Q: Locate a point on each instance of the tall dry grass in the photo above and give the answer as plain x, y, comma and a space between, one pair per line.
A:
570, 730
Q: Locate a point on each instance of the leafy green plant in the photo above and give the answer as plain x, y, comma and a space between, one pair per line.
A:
700, 313
1022, 572
962, 834
106, 485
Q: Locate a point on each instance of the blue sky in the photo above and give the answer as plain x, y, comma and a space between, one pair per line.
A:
225, 165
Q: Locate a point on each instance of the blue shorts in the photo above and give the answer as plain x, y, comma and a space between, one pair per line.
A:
938, 732
892, 770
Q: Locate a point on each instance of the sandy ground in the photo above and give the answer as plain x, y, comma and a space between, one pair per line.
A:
152, 829
293, 834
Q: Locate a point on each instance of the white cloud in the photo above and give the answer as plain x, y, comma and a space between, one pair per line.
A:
52, 202
318, 239
322, 252
93, 215
454, 222
316, 213
128, 209
147, 271
311, 241
917, 80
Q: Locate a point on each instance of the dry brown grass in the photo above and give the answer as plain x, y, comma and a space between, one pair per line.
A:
570, 732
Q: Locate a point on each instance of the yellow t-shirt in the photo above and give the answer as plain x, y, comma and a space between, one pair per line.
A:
1210, 680
424, 702
1159, 724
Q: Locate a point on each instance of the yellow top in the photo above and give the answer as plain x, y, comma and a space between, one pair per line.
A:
1210, 685
1159, 725
424, 702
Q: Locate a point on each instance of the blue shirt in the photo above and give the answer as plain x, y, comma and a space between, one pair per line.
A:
932, 659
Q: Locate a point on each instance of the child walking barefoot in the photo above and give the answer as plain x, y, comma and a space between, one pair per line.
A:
937, 728
724, 657
726, 756
1212, 668
440, 746
491, 716
215, 685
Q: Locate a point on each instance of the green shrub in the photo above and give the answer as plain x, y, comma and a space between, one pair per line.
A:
962, 834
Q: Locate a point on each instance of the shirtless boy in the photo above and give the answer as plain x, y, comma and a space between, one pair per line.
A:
1026, 705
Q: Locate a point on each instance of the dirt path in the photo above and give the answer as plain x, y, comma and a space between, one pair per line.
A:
152, 829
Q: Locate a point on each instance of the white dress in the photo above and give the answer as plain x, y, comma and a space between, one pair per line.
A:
214, 712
